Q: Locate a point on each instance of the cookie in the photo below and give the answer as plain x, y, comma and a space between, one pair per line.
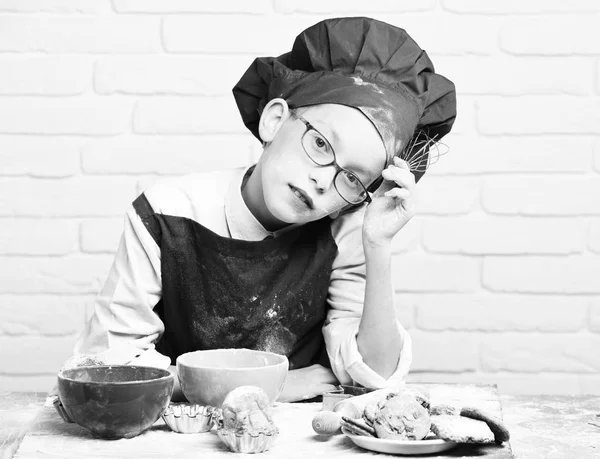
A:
461, 429
495, 424
444, 409
357, 427
401, 417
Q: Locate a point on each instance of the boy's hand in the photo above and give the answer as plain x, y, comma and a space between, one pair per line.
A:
393, 204
306, 383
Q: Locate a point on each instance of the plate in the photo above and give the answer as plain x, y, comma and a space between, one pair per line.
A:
406, 447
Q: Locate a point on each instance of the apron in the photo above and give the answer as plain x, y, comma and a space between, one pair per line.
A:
219, 292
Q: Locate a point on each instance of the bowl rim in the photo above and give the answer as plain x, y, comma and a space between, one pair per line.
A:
181, 359
167, 376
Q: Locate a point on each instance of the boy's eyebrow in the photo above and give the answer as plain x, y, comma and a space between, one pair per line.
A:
330, 130
332, 133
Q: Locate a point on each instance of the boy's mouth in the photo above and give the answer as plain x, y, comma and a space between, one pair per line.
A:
302, 196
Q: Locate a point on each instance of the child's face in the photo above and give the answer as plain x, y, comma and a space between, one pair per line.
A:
297, 190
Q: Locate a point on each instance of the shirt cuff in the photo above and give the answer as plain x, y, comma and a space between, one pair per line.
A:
152, 358
125, 355
361, 374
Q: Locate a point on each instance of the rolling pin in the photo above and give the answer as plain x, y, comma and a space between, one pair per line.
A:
328, 422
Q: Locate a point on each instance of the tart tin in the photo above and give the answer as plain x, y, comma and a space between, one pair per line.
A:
247, 443
189, 417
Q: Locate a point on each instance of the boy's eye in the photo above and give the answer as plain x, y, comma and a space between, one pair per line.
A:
351, 180
320, 143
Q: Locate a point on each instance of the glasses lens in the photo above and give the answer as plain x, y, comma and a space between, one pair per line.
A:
350, 187
317, 147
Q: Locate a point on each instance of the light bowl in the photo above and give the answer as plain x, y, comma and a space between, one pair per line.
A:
206, 377
115, 401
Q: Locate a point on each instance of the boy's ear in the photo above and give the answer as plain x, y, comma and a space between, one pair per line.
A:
273, 116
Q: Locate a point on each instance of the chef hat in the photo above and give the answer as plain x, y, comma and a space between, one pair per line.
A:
362, 63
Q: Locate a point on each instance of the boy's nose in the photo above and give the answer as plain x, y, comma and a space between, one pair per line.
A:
322, 177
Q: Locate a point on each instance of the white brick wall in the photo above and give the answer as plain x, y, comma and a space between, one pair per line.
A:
498, 275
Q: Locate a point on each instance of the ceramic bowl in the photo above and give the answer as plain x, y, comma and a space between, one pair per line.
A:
115, 401
206, 377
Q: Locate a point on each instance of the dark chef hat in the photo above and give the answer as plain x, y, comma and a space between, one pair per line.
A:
363, 63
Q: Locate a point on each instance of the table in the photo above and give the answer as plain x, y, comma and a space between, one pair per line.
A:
548, 427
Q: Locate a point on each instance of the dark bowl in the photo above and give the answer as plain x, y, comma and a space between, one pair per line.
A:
115, 401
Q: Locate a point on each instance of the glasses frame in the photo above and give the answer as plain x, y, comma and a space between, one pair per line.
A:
338, 168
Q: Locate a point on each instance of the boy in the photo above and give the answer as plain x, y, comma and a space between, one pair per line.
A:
291, 255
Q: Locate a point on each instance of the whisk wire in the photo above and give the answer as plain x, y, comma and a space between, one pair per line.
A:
422, 151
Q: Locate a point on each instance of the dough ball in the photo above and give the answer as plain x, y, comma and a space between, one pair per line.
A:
246, 410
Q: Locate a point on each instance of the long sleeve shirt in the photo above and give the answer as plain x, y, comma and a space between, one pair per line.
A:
124, 327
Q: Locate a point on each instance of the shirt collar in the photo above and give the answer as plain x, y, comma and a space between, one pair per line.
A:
241, 222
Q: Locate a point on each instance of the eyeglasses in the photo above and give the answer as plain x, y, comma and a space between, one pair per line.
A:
319, 150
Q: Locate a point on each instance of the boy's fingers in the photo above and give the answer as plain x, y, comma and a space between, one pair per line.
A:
401, 163
402, 177
399, 193
386, 185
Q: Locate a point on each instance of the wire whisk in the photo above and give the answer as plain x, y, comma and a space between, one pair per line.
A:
422, 151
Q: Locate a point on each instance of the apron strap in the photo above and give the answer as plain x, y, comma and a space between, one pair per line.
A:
146, 214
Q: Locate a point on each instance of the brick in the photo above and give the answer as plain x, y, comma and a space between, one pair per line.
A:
42, 75
549, 196
354, 6
516, 76
147, 182
594, 236
589, 384
187, 115
192, 6
76, 197
39, 156
80, 34
28, 383
101, 235
169, 74
597, 146
484, 235
508, 383
520, 7
465, 122
36, 236
595, 315
436, 33
497, 313
46, 315
65, 275
408, 239
166, 155
34, 355
80, 116
447, 195
405, 309
444, 352
538, 115
470, 154
212, 33
422, 273
56, 6
557, 35
531, 353
542, 274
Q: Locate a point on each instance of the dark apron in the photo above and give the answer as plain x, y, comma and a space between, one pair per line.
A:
219, 292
